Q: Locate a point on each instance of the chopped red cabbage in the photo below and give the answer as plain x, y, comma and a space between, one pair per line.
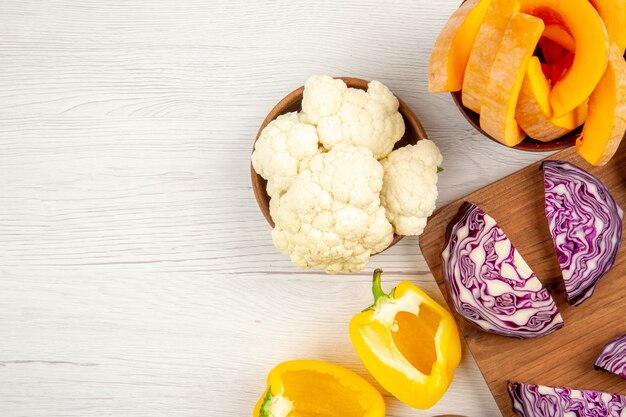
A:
585, 224
490, 284
613, 357
542, 401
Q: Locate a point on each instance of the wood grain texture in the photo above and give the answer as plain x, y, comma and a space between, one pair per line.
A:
565, 357
137, 275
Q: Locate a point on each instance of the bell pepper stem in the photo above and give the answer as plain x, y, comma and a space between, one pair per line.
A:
377, 288
266, 407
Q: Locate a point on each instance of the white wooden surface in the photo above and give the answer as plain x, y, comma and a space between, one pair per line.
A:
137, 276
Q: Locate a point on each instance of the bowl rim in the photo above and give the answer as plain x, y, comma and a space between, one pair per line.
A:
258, 183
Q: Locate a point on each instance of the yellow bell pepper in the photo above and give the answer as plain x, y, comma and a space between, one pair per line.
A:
308, 388
408, 342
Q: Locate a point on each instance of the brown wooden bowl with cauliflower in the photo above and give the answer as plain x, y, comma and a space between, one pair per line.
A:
293, 102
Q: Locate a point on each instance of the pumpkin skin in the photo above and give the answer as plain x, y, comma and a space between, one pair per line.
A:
448, 59
497, 116
606, 121
486, 45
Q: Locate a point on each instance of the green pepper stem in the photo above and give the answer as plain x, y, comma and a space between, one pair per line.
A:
377, 287
266, 406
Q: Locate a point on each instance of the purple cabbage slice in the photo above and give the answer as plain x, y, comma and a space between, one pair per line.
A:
490, 283
585, 224
613, 357
542, 401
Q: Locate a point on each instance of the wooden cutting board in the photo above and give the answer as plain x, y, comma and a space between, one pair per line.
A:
564, 358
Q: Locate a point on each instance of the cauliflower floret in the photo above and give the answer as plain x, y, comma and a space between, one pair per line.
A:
283, 146
330, 217
409, 190
322, 97
348, 115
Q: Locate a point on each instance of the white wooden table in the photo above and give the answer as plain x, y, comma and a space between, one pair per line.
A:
137, 276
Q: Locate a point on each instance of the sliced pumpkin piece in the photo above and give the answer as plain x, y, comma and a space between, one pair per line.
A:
606, 121
559, 35
533, 112
453, 45
613, 13
483, 52
497, 116
586, 27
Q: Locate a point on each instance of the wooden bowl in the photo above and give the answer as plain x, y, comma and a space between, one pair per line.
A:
528, 144
293, 102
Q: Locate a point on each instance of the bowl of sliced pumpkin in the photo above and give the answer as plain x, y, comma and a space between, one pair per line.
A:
538, 75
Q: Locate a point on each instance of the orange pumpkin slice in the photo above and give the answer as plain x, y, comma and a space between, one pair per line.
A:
497, 116
533, 112
559, 35
484, 51
453, 45
586, 27
606, 121
613, 12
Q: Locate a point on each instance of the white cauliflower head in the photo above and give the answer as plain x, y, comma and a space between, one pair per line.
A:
409, 190
348, 115
282, 147
330, 217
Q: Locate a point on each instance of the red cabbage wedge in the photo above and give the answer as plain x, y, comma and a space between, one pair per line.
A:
490, 284
586, 226
542, 401
613, 357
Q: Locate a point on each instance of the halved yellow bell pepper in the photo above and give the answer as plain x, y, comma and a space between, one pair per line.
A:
309, 388
408, 342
